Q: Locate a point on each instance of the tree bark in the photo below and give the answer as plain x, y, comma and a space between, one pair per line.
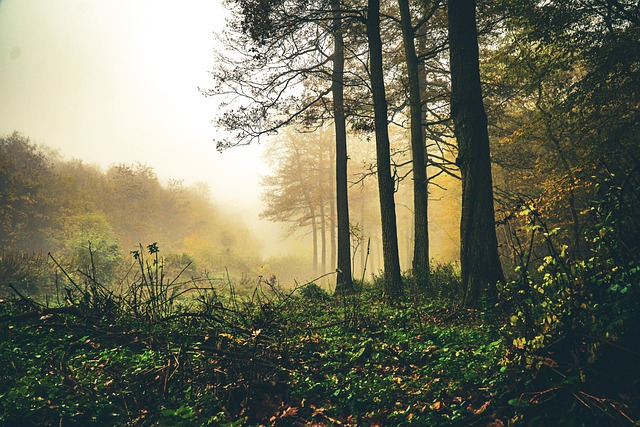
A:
344, 281
323, 235
422, 80
479, 259
314, 233
332, 210
421, 233
362, 227
393, 278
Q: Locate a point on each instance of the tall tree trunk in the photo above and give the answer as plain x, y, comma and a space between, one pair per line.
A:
422, 80
421, 234
314, 233
323, 235
333, 236
344, 281
332, 201
479, 259
362, 227
332, 208
393, 278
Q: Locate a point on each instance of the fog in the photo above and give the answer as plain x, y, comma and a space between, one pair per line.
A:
110, 82
116, 83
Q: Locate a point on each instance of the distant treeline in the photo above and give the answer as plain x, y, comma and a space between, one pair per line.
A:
48, 204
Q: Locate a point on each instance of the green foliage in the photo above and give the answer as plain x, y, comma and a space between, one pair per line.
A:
88, 244
165, 351
25, 171
573, 322
392, 368
51, 205
30, 274
158, 352
314, 292
445, 283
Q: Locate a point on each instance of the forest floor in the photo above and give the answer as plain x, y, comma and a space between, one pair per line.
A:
272, 358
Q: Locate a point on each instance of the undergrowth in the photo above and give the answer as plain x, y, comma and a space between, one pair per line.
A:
160, 350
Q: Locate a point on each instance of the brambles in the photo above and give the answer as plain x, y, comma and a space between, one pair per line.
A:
28, 273
573, 321
161, 351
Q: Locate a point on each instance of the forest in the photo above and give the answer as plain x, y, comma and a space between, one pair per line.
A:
464, 177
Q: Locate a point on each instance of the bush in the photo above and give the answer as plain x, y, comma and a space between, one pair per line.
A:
30, 274
573, 322
445, 283
314, 292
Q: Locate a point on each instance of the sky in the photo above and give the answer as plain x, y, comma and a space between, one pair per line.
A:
117, 81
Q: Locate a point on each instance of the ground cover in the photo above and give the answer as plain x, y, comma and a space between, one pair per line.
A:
276, 358
204, 353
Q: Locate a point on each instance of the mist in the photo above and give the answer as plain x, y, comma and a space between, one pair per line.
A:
107, 96
112, 82
299, 194
117, 84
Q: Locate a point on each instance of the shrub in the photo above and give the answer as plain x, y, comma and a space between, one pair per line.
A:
30, 274
573, 322
314, 292
445, 283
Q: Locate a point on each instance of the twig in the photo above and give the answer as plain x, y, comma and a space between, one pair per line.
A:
25, 299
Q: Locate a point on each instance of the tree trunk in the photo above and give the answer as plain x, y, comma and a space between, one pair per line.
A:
332, 208
332, 236
422, 80
323, 235
362, 227
344, 281
314, 233
479, 259
393, 278
421, 234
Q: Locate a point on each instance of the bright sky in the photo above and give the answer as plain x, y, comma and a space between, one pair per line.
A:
116, 81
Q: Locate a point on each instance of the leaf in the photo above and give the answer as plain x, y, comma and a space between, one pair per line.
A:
514, 402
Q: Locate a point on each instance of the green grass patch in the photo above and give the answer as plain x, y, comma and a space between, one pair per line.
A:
274, 359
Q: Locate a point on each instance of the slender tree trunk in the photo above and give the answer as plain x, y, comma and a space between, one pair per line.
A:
479, 259
421, 234
362, 253
320, 200
422, 80
332, 208
323, 235
332, 236
344, 280
409, 243
314, 233
393, 278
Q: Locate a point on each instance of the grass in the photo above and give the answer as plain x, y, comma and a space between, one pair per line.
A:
276, 358
179, 353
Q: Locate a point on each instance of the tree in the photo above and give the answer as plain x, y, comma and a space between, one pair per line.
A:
393, 278
299, 190
479, 259
25, 170
344, 281
284, 46
421, 229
